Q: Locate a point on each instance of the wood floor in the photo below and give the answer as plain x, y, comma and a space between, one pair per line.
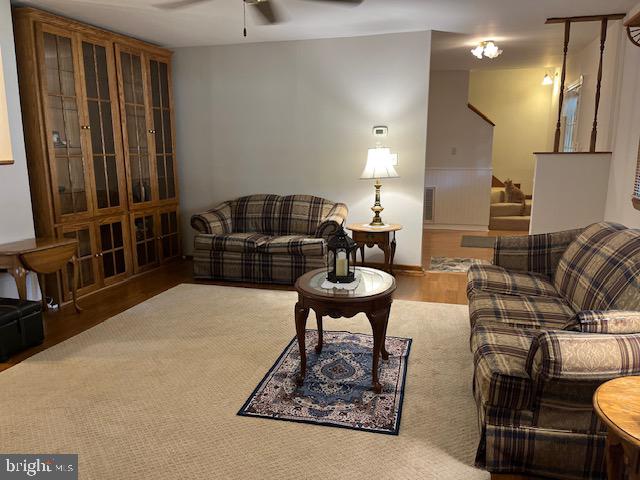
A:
439, 287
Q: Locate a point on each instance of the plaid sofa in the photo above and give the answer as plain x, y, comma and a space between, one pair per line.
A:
554, 317
264, 238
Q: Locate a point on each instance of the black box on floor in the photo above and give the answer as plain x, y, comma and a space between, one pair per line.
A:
20, 325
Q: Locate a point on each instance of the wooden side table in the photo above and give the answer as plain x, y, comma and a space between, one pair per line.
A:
617, 403
373, 297
384, 237
42, 256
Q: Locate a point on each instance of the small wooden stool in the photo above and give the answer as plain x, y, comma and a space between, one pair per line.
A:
617, 403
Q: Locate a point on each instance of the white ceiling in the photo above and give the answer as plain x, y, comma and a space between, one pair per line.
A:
538, 48
517, 25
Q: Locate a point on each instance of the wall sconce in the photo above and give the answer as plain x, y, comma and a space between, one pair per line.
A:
6, 155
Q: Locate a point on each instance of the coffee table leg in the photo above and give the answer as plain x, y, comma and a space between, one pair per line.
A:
319, 345
301, 314
377, 320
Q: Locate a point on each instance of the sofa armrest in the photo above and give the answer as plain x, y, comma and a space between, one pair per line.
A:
533, 253
583, 357
605, 321
336, 217
215, 221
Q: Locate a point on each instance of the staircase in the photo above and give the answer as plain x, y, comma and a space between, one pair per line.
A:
507, 216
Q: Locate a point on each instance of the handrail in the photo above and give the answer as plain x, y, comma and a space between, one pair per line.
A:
480, 114
634, 21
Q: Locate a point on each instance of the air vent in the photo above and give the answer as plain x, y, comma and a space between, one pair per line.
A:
429, 203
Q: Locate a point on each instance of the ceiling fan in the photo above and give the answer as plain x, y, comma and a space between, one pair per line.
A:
265, 8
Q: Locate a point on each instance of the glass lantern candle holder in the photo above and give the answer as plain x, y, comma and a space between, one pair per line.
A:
340, 247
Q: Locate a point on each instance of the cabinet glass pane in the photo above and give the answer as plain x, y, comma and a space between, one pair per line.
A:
101, 124
64, 124
112, 249
145, 240
162, 125
136, 126
86, 275
169, 234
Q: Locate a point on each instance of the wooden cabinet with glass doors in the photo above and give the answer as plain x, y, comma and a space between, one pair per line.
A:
99, 131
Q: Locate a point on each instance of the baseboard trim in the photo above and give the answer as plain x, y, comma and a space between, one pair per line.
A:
444, 226
415, 270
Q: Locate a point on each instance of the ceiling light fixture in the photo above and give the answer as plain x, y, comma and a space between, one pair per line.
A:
487, 49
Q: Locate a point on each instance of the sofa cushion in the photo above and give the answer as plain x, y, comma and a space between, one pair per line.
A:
600, 269
294, 245
607, 321
518, 311
257, 213
495, 279
539, 253
302, 214
232, 242
500, 375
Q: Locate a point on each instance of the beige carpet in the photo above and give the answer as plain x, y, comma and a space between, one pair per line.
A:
153, 394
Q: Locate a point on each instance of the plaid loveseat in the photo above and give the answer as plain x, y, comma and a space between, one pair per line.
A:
554, 317
264, 238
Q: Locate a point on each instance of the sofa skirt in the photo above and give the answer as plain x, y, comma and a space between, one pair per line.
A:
561, 454
253, 267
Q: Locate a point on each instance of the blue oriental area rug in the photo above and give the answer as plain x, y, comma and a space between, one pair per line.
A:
337, 387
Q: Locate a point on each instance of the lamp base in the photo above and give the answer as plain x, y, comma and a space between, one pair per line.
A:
377, 207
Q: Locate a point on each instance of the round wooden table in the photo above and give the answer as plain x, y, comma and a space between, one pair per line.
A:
617, 403
373, 297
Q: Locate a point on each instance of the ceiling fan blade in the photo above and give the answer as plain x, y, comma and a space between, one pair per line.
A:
178, 4
268, 13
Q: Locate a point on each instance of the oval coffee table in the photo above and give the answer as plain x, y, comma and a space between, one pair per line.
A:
373, 297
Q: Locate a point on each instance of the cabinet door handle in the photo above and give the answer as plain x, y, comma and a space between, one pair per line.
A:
86, 127
152, 131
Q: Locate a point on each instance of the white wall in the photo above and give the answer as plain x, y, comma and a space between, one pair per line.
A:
570, 191
521, 107
459, 148
625, 138
585, 62
296, 117
16, 222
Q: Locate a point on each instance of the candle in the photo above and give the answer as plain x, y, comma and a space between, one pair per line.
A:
341, 264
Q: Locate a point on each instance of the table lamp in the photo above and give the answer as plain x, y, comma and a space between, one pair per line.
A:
380, 162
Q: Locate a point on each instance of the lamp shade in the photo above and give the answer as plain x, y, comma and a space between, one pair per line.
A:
380, 162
